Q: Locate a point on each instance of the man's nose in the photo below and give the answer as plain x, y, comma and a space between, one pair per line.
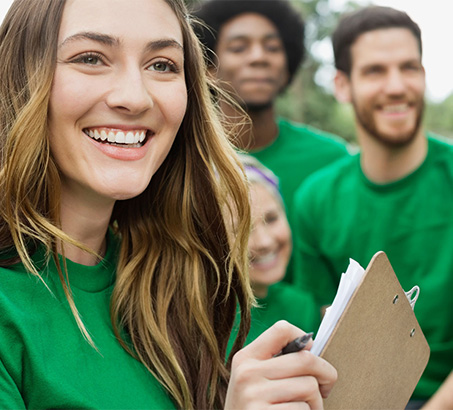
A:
395, 82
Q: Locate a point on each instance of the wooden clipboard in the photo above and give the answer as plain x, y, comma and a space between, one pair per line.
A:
377, 346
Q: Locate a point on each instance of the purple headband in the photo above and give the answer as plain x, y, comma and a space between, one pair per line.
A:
272, 181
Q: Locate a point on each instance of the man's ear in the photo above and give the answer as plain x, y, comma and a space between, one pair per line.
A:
342, 87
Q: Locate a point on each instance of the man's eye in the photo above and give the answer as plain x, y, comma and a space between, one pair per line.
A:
237, 47
274, 47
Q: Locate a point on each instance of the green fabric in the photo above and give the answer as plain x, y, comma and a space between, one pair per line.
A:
283, 302
297, 152
44, 360
340, 214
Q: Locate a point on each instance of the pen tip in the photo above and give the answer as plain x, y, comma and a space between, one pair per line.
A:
308, 336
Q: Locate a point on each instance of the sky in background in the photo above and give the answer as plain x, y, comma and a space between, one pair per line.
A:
433, 17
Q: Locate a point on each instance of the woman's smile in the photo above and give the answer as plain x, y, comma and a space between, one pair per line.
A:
121, 138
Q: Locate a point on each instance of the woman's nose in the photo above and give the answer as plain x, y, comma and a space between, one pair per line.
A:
129, 92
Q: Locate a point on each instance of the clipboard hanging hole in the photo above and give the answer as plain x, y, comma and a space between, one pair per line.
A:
412, 296
395, 299
412, 332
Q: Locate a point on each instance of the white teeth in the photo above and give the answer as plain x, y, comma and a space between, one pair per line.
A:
395, 108
129, 138
265, 258
119, 137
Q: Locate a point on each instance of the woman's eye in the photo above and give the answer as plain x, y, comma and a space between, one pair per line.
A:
163, 66
160, 67
88, 59
271, 217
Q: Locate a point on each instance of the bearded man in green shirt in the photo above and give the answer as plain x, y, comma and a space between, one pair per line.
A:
396, 195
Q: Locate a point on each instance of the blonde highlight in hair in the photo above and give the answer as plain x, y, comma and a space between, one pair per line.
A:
179, 277
29, 179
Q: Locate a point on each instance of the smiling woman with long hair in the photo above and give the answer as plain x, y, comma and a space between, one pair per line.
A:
118, 280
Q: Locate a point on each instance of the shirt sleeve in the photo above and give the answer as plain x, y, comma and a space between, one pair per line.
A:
10, 397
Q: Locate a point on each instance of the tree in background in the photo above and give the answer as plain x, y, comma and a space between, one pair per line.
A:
439, 117
306, 100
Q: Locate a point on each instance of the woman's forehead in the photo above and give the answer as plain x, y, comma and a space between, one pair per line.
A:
122, 19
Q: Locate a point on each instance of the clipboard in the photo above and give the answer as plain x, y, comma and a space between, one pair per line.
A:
377, 346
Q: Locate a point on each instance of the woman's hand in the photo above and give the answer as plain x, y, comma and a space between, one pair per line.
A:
443, 398
296, 380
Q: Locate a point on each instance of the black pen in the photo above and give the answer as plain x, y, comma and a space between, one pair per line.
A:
296, 345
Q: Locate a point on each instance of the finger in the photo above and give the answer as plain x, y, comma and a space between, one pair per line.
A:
294, 390
272, 341
300, 364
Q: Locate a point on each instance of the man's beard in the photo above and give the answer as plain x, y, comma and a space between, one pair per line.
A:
366, 120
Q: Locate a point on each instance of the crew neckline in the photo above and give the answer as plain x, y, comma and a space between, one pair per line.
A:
395, 185
98, 277
86, 278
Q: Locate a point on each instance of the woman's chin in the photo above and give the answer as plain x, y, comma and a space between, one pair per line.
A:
124, 190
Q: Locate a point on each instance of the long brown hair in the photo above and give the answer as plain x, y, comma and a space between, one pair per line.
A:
180, 278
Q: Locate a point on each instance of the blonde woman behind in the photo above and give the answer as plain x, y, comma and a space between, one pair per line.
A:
269, 248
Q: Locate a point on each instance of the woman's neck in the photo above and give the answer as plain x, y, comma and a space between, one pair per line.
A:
260, 291
87, 223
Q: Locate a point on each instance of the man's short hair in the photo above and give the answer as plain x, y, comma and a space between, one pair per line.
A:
289, 23
354, 24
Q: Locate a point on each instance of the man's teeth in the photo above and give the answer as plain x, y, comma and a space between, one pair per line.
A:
119, 137
396, 108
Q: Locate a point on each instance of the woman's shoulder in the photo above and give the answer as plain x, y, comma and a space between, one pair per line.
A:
21, 289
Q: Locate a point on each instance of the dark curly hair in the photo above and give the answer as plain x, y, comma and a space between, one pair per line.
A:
289, 23
354, 24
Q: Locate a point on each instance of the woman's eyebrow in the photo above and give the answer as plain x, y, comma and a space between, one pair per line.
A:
163, 43
90, 35
114, 41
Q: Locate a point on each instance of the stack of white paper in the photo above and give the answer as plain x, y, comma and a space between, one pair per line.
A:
348, 284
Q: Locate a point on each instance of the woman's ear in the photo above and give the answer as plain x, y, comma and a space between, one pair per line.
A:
342, 87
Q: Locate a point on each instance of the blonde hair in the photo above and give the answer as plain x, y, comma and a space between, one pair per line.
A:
179, 279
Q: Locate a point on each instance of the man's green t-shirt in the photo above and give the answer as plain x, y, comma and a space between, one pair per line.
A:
340, 214
45, 362
297, 152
